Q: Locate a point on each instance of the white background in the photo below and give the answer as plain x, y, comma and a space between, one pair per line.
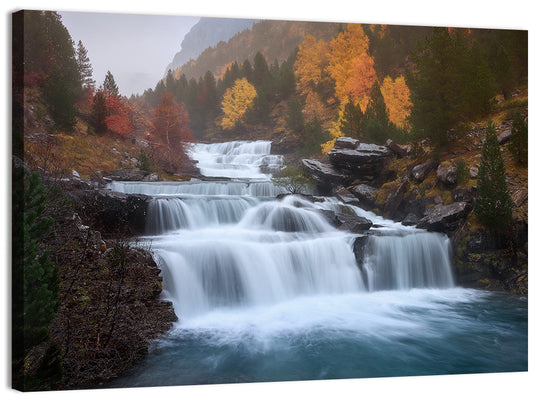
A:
511, 14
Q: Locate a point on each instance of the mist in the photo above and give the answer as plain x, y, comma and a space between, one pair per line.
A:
135, 48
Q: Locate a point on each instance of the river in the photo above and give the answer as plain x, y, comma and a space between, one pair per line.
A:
267, 289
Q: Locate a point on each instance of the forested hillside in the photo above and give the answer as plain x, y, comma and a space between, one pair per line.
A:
207, 33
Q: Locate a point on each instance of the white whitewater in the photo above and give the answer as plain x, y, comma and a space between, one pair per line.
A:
230, 245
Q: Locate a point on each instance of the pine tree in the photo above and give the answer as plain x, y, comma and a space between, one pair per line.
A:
351, 123
61, 97
295, 119
493, 205
99, 112
518, 145
84, 66
37, 278
376, 124
110, 86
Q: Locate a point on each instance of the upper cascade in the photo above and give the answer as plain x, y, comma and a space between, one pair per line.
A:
236, 159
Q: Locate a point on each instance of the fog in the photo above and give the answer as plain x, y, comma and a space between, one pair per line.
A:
135, 48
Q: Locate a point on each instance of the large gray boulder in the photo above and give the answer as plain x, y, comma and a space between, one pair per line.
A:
363, 161
353, 223
447, 174
324, 174
420, 172
365, 194
444, 218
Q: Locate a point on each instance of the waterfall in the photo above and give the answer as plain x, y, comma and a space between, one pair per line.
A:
408, 261
269, 289
229, 243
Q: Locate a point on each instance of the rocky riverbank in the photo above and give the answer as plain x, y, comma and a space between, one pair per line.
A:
110, 306
420, 191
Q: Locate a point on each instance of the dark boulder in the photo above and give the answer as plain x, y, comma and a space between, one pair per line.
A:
411, 220
346, 143
444, 218
505, 136
365, 194
359, 246
420, 172
324, 174
353, 223
364, 162
447, 174
396, 149
128, 175
113, 214
345, 196
463, 194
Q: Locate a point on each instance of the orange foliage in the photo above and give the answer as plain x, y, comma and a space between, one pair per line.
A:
360, 80
118, 120
344, 49
170, 130
397, 100
314, 106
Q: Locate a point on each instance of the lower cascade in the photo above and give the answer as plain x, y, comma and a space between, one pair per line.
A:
252, 276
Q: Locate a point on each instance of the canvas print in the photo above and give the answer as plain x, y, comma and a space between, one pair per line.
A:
275, 201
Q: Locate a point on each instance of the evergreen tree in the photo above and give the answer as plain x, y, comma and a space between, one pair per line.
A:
99, 112
110, 86
518, 145
286, 80
314, 137
493, 206
295, 119
61, 97
84, 66
37, 278
352, 122
376, 124
450, 83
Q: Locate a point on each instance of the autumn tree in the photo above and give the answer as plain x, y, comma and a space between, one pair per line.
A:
310, 67
397, 100
170, 131
119, 115
344, 60
236, 101
362, 77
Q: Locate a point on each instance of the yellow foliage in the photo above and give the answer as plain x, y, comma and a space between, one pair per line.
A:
236, 101
313, 106
311, 63
344, 49
334, 131
397, 100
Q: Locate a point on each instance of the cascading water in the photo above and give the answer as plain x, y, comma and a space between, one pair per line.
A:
267, 289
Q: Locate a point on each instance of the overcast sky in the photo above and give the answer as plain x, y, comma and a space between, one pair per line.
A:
135, 48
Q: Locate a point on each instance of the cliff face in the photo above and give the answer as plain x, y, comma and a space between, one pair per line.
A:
206, 33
